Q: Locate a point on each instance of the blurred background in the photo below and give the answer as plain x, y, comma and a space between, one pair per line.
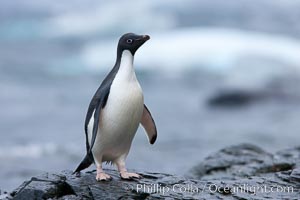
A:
215, 73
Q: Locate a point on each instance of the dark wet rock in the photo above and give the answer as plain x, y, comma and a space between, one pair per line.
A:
245, 160
249, 164
281, 90
234, 98
238, 172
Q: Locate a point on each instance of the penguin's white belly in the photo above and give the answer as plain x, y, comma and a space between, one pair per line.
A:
119, 120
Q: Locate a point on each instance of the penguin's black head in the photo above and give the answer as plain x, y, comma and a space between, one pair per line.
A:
131, 42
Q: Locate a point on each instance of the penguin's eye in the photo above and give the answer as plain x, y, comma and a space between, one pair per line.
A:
129, 41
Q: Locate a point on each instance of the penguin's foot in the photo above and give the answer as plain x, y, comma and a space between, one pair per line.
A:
129, 176
101, 176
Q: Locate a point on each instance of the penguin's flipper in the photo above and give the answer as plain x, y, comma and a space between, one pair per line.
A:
149, 125
97, 104
95, 107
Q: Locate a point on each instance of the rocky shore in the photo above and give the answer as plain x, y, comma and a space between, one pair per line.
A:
238, 172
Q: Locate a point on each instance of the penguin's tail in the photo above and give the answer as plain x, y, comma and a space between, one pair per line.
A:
85, 163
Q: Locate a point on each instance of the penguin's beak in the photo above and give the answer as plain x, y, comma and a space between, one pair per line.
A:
140, 40
143, 38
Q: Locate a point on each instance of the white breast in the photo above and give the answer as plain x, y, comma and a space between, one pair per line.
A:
125, 103
122, 114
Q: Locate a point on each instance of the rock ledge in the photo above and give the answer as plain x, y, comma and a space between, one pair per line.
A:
238, 172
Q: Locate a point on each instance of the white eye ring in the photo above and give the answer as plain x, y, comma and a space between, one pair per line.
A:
129, 41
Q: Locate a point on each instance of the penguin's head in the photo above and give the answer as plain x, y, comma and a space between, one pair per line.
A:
131, 42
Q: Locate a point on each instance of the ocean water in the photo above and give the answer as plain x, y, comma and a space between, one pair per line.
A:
54, 56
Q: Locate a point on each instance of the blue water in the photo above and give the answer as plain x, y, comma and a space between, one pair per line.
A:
53, 57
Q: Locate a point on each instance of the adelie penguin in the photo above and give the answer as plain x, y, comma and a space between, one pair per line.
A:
115, 112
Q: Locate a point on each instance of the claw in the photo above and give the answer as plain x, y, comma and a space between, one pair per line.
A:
129, 176
103, 177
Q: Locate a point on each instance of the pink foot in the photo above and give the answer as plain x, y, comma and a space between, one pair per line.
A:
103, 177
127, 175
